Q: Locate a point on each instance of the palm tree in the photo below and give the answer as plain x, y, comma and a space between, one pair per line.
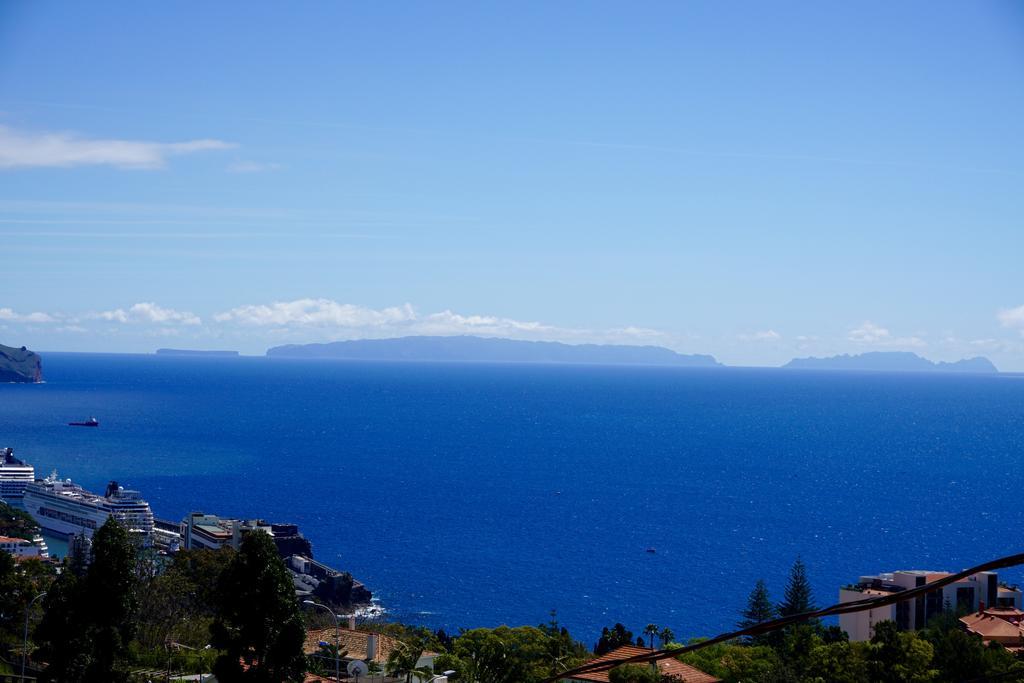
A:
666, 636
402, 661
651, 630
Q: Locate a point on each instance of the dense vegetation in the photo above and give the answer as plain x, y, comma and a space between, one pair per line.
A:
15, 523
118, 611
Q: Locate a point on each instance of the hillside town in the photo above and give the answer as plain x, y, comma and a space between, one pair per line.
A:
339, 633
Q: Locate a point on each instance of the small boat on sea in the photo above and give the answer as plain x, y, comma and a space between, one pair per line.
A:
91, 422
652, 550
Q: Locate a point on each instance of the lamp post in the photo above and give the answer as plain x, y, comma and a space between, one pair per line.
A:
24, 651
337, 637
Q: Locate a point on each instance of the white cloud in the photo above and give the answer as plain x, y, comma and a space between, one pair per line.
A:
22, 149
761, 335
316, 313
872, 334
35, 317
868, 333
148, 312
1011, 317
448, 322
329, 320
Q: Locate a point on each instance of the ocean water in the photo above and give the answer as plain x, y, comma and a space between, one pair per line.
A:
474, 495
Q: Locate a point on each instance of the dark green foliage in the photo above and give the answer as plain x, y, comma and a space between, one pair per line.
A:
896, 657
836, 662
798, 597
258, 618
20, 582
63, 640
760, 609
501, 655
200, 570
616, 636
563, 651
78, 558
111, 594
651, 630
666, 635
402, 660
89, 620
734, 662
16, 523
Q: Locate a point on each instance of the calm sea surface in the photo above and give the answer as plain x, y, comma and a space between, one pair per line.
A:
474, 495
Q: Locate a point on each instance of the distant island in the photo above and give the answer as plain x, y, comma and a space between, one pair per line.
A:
487, 349
195, 352
898, 361
20, 365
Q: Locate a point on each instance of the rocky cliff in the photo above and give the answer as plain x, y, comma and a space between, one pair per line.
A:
20, 365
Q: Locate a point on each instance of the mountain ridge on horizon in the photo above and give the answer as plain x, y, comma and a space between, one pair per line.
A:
491, 349
895, 361
470, 348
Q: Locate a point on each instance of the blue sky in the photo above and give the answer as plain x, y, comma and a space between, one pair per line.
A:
753, 180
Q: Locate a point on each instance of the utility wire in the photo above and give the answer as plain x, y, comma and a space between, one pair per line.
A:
776, 624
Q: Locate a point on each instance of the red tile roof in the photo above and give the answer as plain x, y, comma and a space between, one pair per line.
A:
992, 628
668, 667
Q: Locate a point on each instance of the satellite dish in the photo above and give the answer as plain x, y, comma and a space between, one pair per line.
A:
357, 669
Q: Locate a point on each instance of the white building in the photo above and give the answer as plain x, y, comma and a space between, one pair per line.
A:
213, 532
969, 594
19, 547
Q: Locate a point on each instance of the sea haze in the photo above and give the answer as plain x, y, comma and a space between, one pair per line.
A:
474, 494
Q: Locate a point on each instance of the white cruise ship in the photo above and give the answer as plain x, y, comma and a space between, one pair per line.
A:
15, 475
62, 507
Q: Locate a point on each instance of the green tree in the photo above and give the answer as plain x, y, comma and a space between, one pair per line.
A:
62, 634
403, 659
258, 618
650, 631
503, 655
88, 620
798, 597
180, 603
110, 598
838, 662
611, 638
732, 662
760, 609
897, 657
16, 523
666, 636
563, 651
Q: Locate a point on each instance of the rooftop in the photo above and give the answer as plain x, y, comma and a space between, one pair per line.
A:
11, 539
353, 643
668, 667
993, 628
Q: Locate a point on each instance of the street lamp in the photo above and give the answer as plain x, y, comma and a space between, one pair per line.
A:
337, 637
24, 651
